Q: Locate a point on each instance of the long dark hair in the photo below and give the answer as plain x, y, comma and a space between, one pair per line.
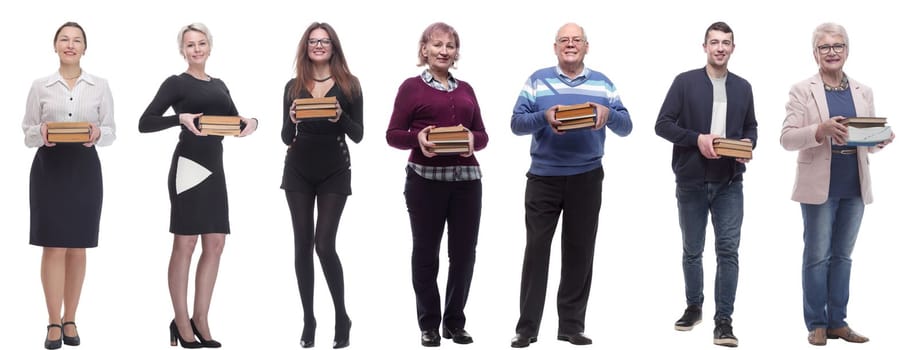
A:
350, 86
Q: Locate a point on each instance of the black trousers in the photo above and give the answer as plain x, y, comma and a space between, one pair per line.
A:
432, 204
579, 198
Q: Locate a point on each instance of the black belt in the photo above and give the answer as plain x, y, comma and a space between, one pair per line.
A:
844, 151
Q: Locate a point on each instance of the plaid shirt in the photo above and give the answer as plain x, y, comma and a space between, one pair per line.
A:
447, 173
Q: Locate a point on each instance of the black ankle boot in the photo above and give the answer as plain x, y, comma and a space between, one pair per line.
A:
342, 334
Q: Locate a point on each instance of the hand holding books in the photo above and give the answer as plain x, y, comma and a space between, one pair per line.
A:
446, 140
321, 108
867, 131
578, 116
70, 132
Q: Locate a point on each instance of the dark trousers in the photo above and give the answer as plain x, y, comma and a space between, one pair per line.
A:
432, 204
579, 198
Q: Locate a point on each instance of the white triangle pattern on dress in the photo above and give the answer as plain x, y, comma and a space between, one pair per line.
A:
188, 174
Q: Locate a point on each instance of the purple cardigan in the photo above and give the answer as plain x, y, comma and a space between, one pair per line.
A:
418, 105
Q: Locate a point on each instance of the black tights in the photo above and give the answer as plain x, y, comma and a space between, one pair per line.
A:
330, 207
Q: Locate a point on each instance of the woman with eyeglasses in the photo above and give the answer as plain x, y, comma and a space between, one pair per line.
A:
65, 183
317, 168
832, 181
440, 188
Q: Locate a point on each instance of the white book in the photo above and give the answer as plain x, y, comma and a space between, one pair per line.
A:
868, 136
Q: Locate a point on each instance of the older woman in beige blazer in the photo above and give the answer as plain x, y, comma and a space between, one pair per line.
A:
832, 181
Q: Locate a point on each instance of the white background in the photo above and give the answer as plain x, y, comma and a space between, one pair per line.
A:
637, 291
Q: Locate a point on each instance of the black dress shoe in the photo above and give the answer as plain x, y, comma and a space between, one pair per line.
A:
522, 341
575, 338
458, 335
74, 340
56, 343
429, 337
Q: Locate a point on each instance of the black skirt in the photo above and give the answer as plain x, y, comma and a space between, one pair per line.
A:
197, 187
65, 196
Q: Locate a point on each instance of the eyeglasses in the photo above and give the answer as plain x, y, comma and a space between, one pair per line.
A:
576, 41
838, 48
315, 42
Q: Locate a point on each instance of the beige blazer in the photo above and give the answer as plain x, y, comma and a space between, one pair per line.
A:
806, 108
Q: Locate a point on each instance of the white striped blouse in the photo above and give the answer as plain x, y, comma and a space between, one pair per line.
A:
51, 100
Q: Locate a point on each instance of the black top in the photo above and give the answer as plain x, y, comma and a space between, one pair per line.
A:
350, 123
186, 94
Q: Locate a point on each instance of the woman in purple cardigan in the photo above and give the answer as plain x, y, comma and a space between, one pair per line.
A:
440, 188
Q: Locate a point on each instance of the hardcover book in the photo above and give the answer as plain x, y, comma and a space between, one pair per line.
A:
732, 148
69, 132
448, 134
220, 125
316, 108
572, 112
573, 124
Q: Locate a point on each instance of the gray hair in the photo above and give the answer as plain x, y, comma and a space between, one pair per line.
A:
197, 27
826, 29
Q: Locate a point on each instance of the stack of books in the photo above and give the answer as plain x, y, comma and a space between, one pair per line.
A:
732, 148
220, 125
449, 139
316, 108
575, 116
866, 131
69, 132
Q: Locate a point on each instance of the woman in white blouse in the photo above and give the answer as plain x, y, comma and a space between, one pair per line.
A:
65, 184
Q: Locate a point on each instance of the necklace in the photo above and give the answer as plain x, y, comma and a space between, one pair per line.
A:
841, 87
322, 80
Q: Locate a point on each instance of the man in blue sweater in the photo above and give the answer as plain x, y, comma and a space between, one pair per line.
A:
565, 177
702, 105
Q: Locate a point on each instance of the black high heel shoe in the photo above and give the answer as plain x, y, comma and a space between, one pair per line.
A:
72, 341
342, 335
307, 340
176, 338
54, 344
205, 343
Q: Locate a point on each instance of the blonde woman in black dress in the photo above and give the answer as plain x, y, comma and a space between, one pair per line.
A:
197, 185
65, 184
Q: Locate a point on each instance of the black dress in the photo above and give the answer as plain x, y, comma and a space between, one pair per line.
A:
197, 184
318, 160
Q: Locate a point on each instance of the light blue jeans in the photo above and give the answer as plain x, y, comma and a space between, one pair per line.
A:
830, 232
724, 202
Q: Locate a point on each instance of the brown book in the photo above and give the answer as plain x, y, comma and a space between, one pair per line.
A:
577, 124
220, 125
69, 132
80, 138
317, 100
729, 152
571, 112
220, 119
863, 122
316, 106
448, 134
450, 149
316, 113
732, 148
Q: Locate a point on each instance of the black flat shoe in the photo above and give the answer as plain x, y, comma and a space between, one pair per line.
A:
575, 338
458, 335
429, 338
522, 341
342, 335
72, 341
54, 344
175, 338
205, 343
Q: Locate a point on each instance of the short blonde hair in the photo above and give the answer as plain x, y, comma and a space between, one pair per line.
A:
197, 27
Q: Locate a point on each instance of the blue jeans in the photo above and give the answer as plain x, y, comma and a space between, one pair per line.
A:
724, 201
830, 232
